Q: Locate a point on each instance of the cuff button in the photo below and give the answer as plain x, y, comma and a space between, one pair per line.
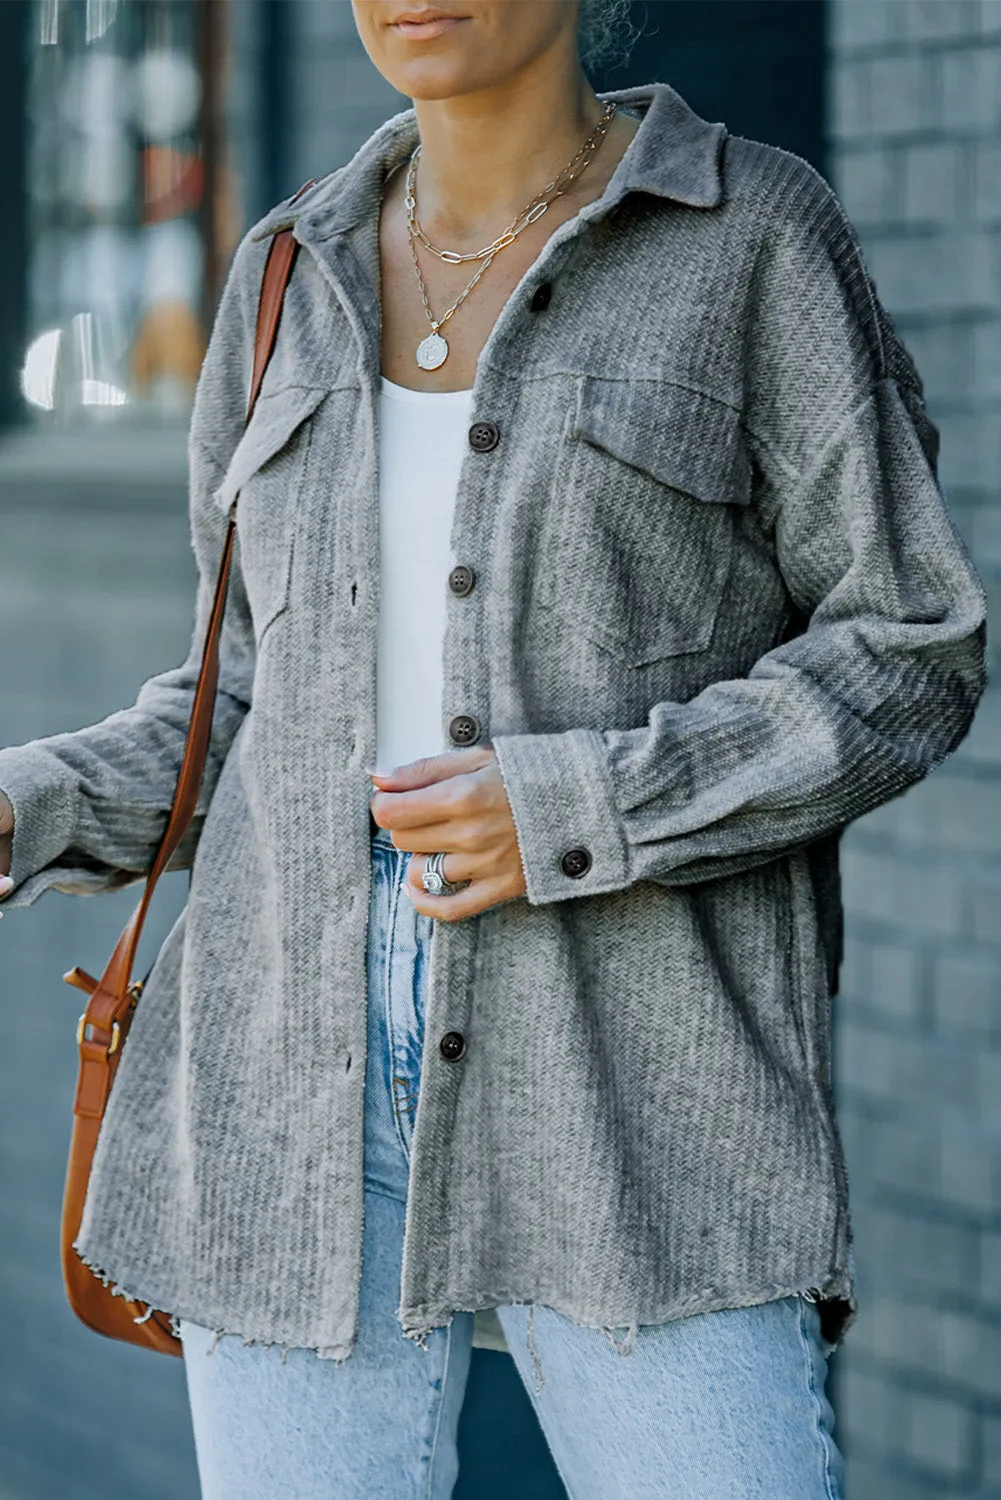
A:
462, 580
464, 730
575, 863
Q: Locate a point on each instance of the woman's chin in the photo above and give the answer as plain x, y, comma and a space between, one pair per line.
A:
438, 78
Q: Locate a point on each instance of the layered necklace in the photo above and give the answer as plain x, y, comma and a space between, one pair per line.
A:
432, 351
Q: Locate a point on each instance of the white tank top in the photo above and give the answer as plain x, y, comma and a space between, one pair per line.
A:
423, 436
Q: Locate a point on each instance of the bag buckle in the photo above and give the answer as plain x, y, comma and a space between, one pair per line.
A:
116, 1035
134, 991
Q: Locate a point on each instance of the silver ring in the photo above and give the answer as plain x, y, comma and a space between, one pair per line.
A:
433, 878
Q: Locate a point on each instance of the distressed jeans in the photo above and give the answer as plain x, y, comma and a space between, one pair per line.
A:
723, 1404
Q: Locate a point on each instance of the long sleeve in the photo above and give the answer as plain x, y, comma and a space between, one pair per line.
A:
880, 685
90, 806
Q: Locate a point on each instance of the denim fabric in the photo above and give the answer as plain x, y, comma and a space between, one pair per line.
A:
720, 1403
399, 955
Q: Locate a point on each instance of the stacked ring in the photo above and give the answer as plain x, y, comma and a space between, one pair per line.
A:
433, 878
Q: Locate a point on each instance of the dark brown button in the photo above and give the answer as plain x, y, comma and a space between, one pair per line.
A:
542, 296
575, 863
483, 436
461, 580
464, 730
452, 1046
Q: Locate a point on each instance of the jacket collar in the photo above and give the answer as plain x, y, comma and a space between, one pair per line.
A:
675, 154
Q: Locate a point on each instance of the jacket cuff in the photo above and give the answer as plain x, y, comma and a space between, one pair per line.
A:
570, 834
44, 796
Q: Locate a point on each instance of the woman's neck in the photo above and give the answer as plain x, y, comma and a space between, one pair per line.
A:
484, 155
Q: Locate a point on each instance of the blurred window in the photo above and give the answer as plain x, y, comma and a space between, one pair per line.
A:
129, 221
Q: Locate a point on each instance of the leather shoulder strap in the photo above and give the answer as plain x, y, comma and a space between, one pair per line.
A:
277, 273
110, 998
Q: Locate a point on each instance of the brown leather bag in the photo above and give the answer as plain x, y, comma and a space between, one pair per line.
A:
104, 1025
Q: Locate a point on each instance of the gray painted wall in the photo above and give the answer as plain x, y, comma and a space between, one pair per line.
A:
916, 133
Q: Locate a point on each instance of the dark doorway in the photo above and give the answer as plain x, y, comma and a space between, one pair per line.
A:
757, 65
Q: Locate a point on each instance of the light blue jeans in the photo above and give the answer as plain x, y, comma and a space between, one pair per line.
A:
723, 1404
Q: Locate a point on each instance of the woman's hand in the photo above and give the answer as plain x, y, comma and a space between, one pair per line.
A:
455, 804
6, 840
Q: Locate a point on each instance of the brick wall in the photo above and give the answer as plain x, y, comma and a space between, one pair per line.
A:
916, 156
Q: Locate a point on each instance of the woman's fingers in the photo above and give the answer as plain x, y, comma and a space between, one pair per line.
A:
454, 867
454, 804
477, 897
432, 768
432, 838
458, 785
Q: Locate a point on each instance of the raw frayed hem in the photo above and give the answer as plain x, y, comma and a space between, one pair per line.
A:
833, 1294
338, 1353
421, 1333
628, 1343
117, 1290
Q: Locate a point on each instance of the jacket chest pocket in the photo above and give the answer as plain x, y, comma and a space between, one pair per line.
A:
637, 541
265, 478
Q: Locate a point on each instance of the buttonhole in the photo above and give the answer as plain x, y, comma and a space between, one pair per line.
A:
354, 593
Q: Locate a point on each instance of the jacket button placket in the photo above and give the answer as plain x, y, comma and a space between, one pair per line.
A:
452, 1046
484, 437
464, 729
430, 1176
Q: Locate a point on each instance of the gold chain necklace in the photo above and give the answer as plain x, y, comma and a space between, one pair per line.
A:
532, 211
432, 351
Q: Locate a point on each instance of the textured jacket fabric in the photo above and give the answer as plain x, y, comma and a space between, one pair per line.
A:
719, 612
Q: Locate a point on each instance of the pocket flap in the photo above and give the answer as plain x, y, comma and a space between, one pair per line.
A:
681, 437
276, 417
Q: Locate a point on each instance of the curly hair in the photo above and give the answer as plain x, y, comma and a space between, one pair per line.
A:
606, 31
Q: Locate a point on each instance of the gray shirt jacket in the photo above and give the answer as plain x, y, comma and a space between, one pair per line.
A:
719, 611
